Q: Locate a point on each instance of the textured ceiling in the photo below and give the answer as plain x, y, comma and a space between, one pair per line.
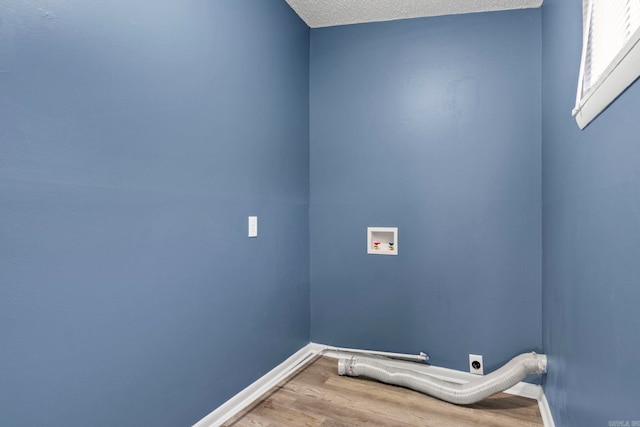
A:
327, 13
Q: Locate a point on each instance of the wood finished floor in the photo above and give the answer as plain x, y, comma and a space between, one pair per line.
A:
317, 396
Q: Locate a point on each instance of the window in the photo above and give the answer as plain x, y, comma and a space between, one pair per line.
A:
610, 55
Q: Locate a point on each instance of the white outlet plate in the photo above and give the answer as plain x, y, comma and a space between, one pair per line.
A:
476, 358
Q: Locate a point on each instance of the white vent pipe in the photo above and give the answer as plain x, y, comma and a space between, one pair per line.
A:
462, 394
422, 357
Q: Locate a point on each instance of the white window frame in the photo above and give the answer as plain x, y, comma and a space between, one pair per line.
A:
620, 74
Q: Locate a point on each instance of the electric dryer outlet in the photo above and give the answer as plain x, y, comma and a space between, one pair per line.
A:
475, 364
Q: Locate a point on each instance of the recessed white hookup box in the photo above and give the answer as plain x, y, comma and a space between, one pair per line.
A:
382, 240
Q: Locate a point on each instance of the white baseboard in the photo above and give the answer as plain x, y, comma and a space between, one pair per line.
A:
250, 394
545, 411
286, 368
522, 389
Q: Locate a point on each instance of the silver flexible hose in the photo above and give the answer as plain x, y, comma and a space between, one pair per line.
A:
474, 391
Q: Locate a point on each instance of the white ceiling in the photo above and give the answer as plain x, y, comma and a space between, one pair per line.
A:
327, 13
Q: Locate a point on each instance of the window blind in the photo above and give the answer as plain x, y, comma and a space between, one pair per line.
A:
611, 31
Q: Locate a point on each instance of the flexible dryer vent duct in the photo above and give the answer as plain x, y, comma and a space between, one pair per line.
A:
462, 394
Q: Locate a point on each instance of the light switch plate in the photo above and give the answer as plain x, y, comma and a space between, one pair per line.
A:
253, 226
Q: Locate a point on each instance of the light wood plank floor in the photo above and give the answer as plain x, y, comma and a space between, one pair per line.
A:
317, 396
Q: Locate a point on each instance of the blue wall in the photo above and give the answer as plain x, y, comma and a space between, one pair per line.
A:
591, 229
135, 139
431, 125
